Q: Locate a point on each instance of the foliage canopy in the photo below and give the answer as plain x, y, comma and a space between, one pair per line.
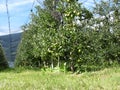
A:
61, 34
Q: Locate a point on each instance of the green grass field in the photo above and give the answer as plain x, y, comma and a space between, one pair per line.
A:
107, 79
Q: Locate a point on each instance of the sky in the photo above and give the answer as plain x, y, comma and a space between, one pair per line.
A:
19, 11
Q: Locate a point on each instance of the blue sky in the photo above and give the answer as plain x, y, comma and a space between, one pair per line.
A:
20, 13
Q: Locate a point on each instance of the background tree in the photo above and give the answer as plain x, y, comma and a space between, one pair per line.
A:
109, 30
3, 61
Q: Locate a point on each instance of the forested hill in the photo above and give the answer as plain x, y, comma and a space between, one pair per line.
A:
5, 41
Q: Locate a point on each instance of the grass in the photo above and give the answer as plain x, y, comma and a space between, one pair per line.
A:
107, 79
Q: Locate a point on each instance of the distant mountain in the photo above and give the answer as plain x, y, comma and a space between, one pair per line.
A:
10, 53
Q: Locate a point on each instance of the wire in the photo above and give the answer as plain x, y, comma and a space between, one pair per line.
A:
40, 3
9, 26
12, 45
33, 4
31, 10
8, 15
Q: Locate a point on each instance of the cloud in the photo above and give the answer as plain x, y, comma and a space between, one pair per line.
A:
7, 33
20, 3
3, 30
2, 33
89, 3
14, 4
2, 8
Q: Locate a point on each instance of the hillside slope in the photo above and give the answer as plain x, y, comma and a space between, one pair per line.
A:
5, 41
